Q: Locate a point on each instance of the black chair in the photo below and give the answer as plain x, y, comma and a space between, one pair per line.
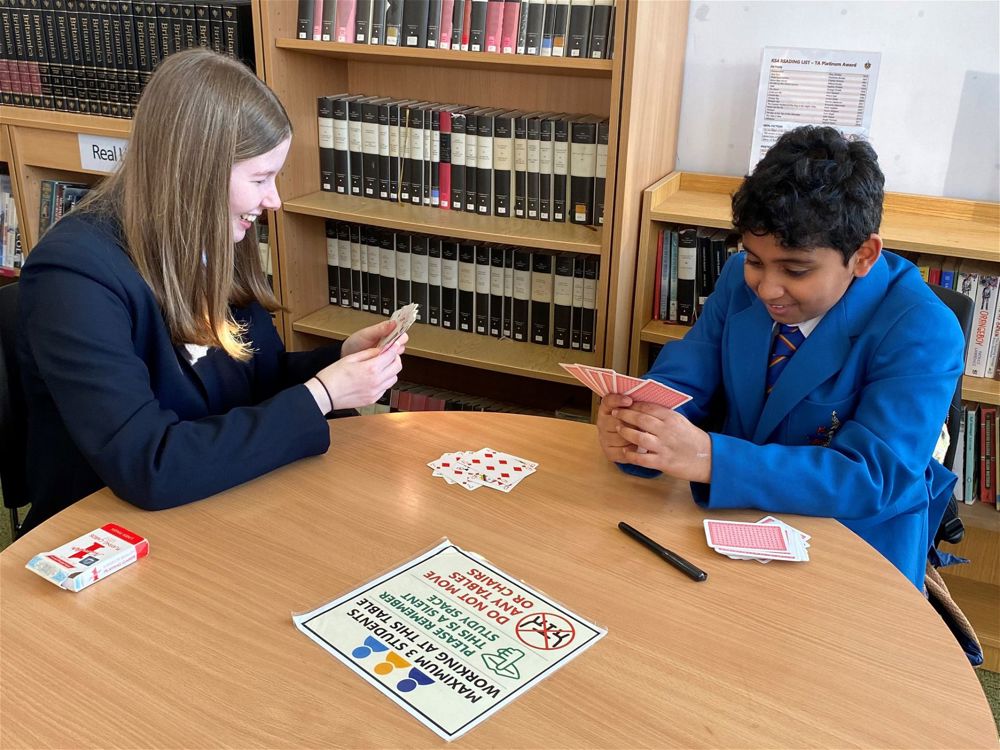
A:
13, 422
951, 529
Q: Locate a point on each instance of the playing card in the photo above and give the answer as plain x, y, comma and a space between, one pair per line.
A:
649, 391
402, 319
482, 468
603, 381
750, 537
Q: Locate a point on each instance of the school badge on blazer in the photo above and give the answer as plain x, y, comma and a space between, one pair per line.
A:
824, 435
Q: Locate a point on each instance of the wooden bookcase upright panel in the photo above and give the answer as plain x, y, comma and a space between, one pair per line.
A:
302, 71
923, 224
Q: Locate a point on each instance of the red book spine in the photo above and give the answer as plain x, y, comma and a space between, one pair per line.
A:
511, 17
987, 455
466, 24
494, 24
318, 19
344, 23
444, 35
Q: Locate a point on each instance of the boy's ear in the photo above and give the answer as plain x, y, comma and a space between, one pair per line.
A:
866, 255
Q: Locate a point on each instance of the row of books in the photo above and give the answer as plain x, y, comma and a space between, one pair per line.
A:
408, 397
510, 164
10, 235
539, 296
95, 56
57, 198
546, 28
976, 460
979, 281
688, 263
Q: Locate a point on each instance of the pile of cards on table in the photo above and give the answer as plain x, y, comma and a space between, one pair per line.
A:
483, 468
603, 381
402, 319
767, 539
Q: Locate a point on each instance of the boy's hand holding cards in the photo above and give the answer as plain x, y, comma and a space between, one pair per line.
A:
402, 319
767, 539
603, 381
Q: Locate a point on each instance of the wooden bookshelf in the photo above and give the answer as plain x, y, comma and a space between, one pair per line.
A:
941, 226
647, 56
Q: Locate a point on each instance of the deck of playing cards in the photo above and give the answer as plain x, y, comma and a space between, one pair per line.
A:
767, 539
603, 381
483, 468
402, 319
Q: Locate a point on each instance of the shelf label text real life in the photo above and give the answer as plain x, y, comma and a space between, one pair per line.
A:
99, 153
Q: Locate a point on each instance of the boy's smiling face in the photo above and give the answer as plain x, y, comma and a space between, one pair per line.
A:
798, 285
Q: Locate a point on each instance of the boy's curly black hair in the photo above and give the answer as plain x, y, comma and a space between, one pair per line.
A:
813, 188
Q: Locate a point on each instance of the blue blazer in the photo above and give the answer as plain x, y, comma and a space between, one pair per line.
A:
112, 401
850, 426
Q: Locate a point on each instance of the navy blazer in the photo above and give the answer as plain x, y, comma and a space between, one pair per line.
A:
112, 401
849, 429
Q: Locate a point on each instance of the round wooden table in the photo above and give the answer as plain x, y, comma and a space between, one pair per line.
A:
194, 646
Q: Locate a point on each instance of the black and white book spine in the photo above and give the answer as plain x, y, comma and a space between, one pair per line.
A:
532, 156
395, 149
471, 159
356, 275
609, 52
457, 23
522, 29
560, 27
418, 275
541, 297
332, 262
387, 271
434, 281
405, 152
591, 275
362, 20
325, 130
414, 31
355, 144
433, 23
520, 323
601, 171
581, 13
545, 151
444, 158
466, 287
328, 21
374, 269
576, 325
507, 321
376, 33
484, 163
483, 272
458, 161
548, 27
341, 146
520, 166
383, 150
427, 167
416, 132
533, 27
344, 254
496, 291
562, 301
402, 269
304, 25
600, 27
477, 26
687, 272
703, 274
393, 22
582, 168
369, 147
560, 168
435, 160
672, 314
503, 163
366, 289
449, 284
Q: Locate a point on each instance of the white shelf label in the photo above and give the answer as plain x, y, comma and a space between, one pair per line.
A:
99, 153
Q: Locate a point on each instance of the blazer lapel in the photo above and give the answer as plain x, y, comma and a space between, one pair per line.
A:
748, 340
824, 352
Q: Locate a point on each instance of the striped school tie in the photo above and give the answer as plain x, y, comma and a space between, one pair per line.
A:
786, 343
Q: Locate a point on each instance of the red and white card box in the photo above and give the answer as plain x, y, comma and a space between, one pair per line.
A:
89, 558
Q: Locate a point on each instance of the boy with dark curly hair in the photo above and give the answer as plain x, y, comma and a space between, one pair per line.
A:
831, 360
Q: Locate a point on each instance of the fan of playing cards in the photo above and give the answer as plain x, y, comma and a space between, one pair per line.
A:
603, 381
402, 319
767, 539
483, 468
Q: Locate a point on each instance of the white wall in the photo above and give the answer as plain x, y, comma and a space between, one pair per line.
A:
936, 121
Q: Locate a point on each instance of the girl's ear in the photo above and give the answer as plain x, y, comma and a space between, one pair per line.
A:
866, 255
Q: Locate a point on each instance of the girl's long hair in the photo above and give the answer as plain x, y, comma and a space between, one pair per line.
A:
199, 114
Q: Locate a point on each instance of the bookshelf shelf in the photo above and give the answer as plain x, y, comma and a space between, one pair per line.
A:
67, 122
942, 226
455, 347
452, 59
409, 218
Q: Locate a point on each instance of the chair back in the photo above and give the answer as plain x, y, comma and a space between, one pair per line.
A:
952, 529
13, 420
